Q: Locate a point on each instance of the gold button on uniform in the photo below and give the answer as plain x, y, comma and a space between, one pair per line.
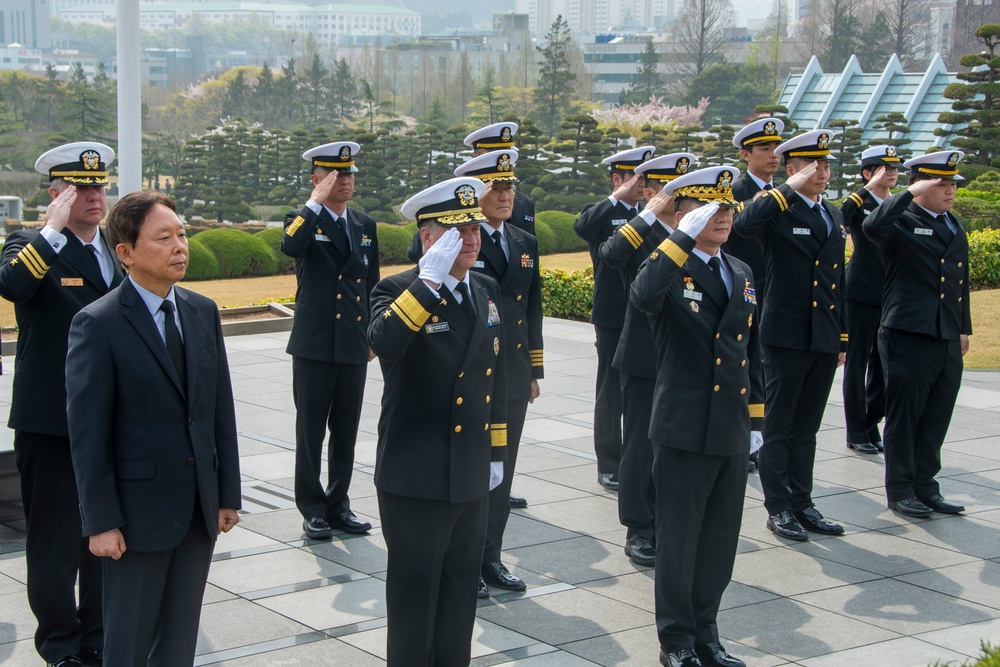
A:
942, 296
716, 388
832, 306
486, 426
739, 336
518, 346
817, 262
959, 264
487, 398
718, 362
340, 277
518, 297
338, 316
743, 391
358, 281
833, 286
815, 283
716, 336
743, 363
942, 261
489, 371
339, 297
834, 266
942, 278
357, 298
458, 429
519, 321
458, 401
359, 318
462, 374
814, 304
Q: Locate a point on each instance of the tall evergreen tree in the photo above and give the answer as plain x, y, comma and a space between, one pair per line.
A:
345, 90
845, 151
896, 127
575, 176
977, 100
648, 81
554, 93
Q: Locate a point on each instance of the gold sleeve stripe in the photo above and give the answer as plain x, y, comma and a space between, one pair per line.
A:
498, 435
674, 252
857, 199
536, 357
632, 236
34, 263
843, 338
410, 310
294, 227
782, 202
756, 410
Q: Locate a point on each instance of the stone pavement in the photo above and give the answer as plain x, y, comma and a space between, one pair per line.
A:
891, 592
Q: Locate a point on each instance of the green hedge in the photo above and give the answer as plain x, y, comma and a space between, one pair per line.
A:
568, 295
561, 225
272, 237
977, 213
392, 244
239, 253
202, 264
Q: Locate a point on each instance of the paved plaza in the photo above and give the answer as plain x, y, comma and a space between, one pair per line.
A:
892, 591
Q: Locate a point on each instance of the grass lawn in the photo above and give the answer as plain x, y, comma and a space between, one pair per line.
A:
984, 350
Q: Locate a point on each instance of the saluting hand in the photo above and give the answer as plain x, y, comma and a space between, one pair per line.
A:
877, 178
57, 212
630, 190
694, 221
323, 188
918, 188
661, 205
801, 177
439, 258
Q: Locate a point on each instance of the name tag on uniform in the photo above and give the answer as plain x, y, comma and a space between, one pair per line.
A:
923, 231
618, 222
691, 294
479, 264
436, 328
71, 282
804, 231
323, 237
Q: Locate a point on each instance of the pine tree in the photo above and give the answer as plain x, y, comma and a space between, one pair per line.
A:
896, 127
845, 151
977, 101
575, 176
554, 93
648, 81
345, 88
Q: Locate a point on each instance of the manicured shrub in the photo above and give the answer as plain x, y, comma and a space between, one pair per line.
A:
239, 253
561, 225
977, 212
272, 237
392, 244
202, 264
547, 242
984, 259
568, 295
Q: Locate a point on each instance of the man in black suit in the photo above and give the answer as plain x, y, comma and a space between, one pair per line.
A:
336, 267
490, 138
625, 250
864, 277
438, 330
756, 141
153, 433
707, 398
802, 330
510, 256
596, 225
925, 330
49, 275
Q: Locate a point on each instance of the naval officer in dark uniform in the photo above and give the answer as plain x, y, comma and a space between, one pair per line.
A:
925, 329
49, 275
864, 386
596, 225
803, 332
509, 255
336, 267
707, 398
438, 330
625, 250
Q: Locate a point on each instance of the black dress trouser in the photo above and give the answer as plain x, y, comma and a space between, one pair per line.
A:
607, 403
864, 385
636, 492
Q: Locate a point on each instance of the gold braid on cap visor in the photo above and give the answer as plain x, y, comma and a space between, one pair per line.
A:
707, 194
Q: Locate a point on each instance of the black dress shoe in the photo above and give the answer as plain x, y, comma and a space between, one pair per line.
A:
517, 502
910, 507
483, 592
68, 661
609, 480
875, 438
754, 461
812, 520
640, 551
784, 524
684, 658
317, 528
347, 522
862, 447
713, 654
939, 504
93, 658
496, 574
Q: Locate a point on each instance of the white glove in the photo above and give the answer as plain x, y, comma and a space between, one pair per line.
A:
439, 258
496, 474
756, 441
695, 221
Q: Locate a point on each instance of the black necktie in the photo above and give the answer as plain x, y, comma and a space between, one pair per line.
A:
716, 266
768, 186
92, 251
466, 304
175, 347
497, 240
822, 232
340, 235
948, 234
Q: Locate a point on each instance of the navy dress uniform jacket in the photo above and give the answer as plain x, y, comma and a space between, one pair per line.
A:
595, 225
926, 269
747, 250
708, 352
865, 273
522, 215
444, 405
805, 274
521, 295
47, 289
626, 250
144, 447
331, 321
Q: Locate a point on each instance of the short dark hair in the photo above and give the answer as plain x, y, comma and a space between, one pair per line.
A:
686, 204
920, 176
129, 215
